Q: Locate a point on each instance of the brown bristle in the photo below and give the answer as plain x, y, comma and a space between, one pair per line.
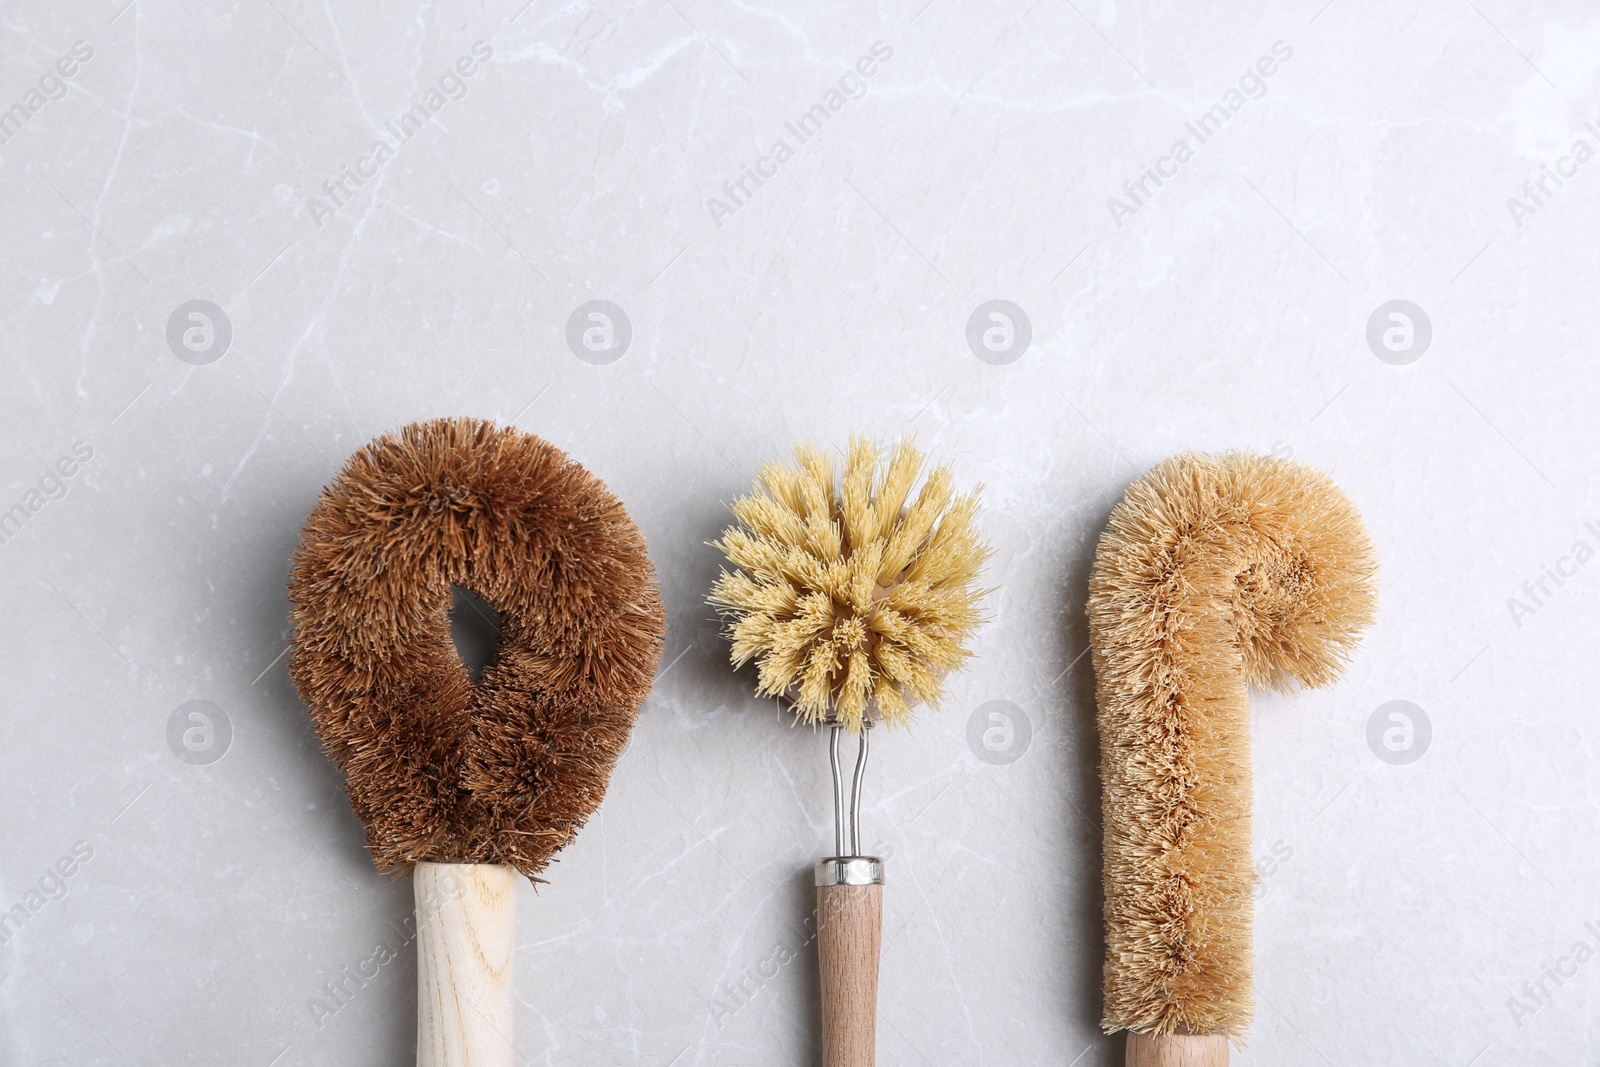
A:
437, 767
1214, 573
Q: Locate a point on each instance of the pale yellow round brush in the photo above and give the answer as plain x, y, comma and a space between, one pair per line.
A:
854, 599
1214, 574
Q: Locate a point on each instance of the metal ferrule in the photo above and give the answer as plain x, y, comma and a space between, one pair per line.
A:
849, 870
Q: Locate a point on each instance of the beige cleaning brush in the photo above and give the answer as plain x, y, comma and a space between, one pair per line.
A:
467, 784
1214, 574
854, 599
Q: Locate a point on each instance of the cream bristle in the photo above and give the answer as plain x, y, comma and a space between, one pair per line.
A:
1214, 573
851, 601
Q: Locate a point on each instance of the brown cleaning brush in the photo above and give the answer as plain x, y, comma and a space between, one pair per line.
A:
1215, 573
465, 784
855, 601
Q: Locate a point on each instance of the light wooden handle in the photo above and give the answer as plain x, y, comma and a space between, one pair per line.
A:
466, 934
849, 933
1177, 1050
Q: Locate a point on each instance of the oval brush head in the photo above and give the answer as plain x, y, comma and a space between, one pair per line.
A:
439, 768
853, 598
1214, 573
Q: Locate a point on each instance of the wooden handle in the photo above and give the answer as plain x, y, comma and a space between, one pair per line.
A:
466, 934
849, 933
1177, 1050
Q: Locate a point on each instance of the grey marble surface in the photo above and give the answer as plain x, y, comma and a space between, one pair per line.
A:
1421, 902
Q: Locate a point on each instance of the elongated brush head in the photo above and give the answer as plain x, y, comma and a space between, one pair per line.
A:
853, 598
1214, 573
437, 767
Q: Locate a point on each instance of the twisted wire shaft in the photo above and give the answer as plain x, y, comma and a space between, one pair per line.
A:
847, 835
838, 790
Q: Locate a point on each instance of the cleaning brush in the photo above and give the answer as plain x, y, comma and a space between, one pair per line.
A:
854, 600
465, 784
1214, 574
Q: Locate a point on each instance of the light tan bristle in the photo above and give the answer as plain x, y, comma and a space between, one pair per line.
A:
853, 598
1213, 574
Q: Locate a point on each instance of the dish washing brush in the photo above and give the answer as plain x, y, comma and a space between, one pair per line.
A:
464, 784
1214, 574
855, 598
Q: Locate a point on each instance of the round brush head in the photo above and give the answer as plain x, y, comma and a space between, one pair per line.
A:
853, 597
1214, 573
437, 767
